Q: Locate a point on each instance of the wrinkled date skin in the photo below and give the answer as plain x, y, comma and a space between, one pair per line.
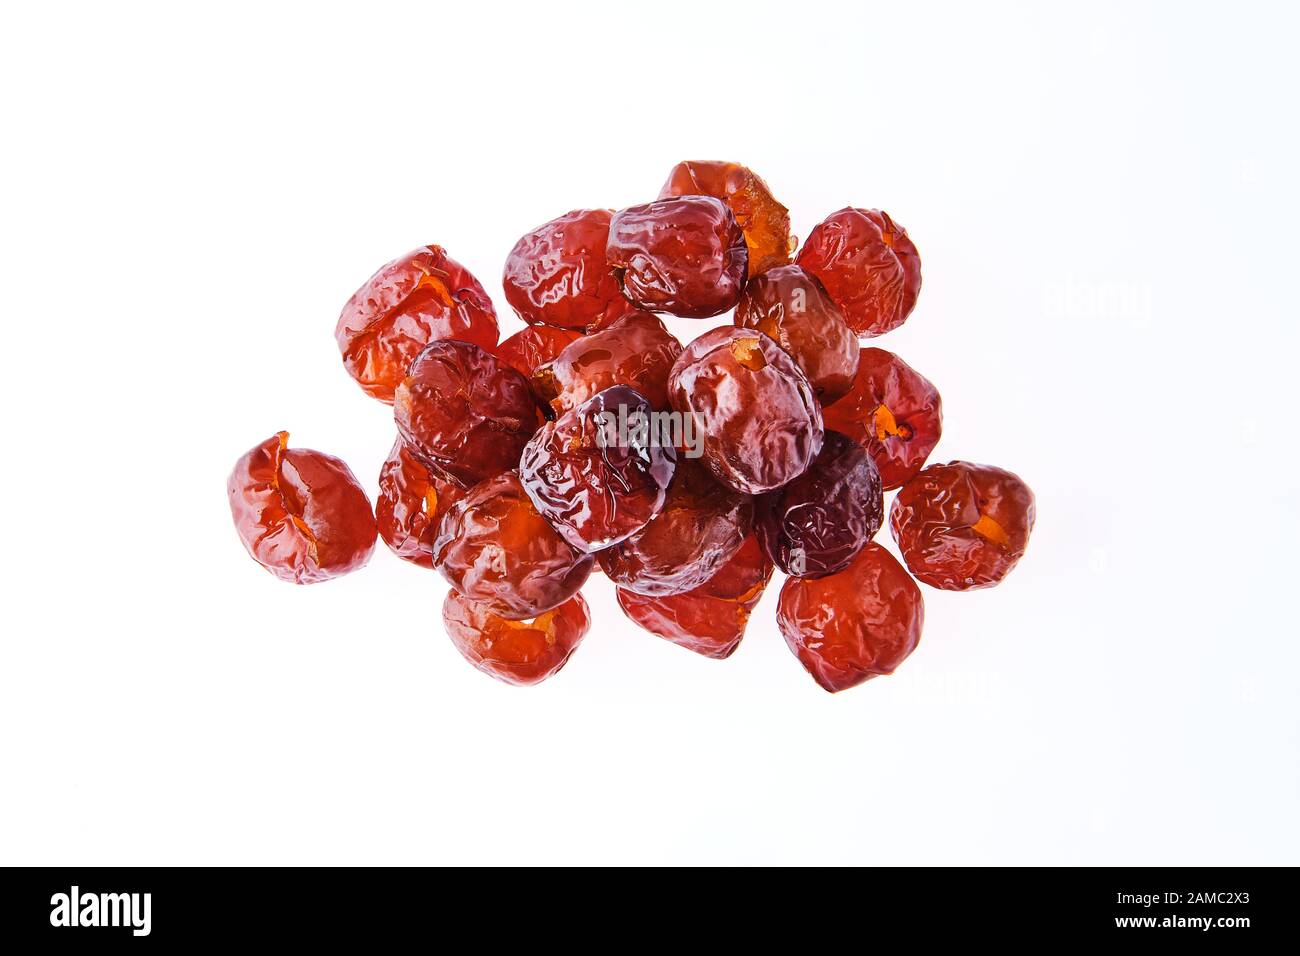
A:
685, 256
494, 548
762, 425
534, 346
790, 307
867, 265
558, 275
422, 297
636, 351
301, 514
711, 619
595, 486
464, 413
818, 523
962, 526
702, 525
763, 220
892, 411
854, 625
410, 506
516, 652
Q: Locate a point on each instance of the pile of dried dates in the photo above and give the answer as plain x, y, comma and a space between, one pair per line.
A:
593, 439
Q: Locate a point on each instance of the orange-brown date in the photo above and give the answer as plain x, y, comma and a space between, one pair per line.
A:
868, 265
464, 413
790, 307
702, 525
422, 297
496, 549
636, 351
962, 526
410, 505
854, 625
892, 411
301, 514
557, 274
711, 619
516, 652
763, 220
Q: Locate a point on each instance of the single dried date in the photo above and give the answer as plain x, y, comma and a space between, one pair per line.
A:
516, 652
868, 265
636, 351
422, 297
496, 549
761, 424
893, 411
464, 413
962, 526
710, 619
685, 256
818, 523
596, 473
789, 306
301, 514
764, 221
854, 625
558, 275
702, 525
410, 505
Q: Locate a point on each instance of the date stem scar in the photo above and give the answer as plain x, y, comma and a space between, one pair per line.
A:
887, 427
986, 527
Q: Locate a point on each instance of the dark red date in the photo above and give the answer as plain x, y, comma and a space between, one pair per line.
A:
410, 505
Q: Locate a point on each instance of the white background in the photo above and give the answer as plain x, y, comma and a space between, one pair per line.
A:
1105, 203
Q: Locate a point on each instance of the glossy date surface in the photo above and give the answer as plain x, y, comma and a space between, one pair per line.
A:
868, 265
761, 424
419, 298
594, 485
558, 275
516, 652
533, 346
854, 625
410, 505
710, 619
961, 525
764, 221
893, 411
686, 256
496, 549
301, 514
789, 306
464, 413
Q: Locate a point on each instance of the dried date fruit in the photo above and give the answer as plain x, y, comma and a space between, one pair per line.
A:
516, 652
761, 424
849, 627
764, 221
534, 346
892, 411
711, 619
868, 265
790, 307
496, 549
420, 298
962, 526
636, 351
558, 275
301, 514
817, 524
685, 256
597, 473
410, 505
702, 525
464, 413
